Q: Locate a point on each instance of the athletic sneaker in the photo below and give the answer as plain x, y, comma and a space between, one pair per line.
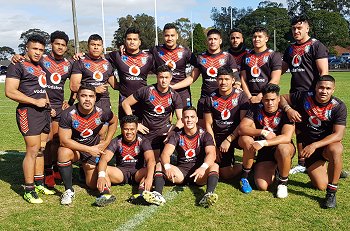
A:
32, 197
330, 201
208, 199
104, 199
344, 174
137, 199
43, 190
282, 191
153, 197
67, 197
297, 169
245, 186
50, 181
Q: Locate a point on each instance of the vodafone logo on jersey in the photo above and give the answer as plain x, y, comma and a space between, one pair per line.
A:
134, 70
296, 61
212, 71
190, 153
42, 81
225, 114
255, 71
86, 133
98, 76
171, 64
314, 121
55, 78
159, 109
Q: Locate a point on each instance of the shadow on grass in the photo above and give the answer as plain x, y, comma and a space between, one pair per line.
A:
303, 193
198, 192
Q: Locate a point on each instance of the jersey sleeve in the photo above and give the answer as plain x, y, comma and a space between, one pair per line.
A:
276, 61
243, 101
243, 64
177, 101
340, 115
231, 62
14, 71
295, 98
173, 139
66, 120
77, 67
107, 116
320, 50
250, 112
140, 94
285, 119
111, 58
207, 105
113, 145
146, 145
208, 140
286, 56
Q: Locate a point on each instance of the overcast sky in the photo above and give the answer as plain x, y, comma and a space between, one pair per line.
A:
17, 16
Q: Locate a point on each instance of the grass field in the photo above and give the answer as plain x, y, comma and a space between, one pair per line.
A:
234, 210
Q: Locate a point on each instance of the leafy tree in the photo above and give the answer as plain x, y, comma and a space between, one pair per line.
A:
184, 30
6, 52
83, 46
265, 4
199, 39
25, 35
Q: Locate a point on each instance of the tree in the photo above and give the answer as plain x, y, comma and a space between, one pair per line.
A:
199, 39
6, 52
184, 30
83, 45
25, 35
265, 4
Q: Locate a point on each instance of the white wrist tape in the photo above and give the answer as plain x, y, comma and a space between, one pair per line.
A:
262, 143
205, 166
167, 166
102, 174
265, 133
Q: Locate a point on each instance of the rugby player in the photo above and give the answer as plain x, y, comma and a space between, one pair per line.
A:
267, 130
79, 129
238, 48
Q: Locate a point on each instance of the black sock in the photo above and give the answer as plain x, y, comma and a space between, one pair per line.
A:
245, 172
55, 167
66, 171
212, 181
283, 180
39, 180
159, 181
48, 169
141, 188
301, 162
332, 188
28, 187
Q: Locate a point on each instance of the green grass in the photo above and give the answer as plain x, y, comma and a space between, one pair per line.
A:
234, 210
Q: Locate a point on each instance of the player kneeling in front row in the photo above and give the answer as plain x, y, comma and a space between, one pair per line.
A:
131, 151
79, 129
195, 161
267, 129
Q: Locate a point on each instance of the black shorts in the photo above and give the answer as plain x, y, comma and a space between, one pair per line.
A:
266, 154
136, 110
157, 138
200, 108
58, 109
128, 173
185, 94
104, 104
88, 158
33, 121
228, 158
316, 156
187, 170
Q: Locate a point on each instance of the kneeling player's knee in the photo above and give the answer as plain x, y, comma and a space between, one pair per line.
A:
64, 154
214, 168
320, 185
335, 150
262, 185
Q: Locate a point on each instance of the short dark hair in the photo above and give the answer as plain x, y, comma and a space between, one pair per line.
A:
214, 31
169, 26
225, 71
132, 30
271, 88
59, 35
326, 78
163, 68
189, 108
236, 30
95, 37
129, 119
87, 87
260, 29
36, 38
299, 18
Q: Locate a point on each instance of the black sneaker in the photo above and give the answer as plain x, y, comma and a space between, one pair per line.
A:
137, 199
330, 201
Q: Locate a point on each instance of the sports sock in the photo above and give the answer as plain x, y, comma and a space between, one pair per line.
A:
28, 187
332, 188
245, 172
159, 181
39, 180
301, 162
141, 188
48, 170
66, 171
54, 166
212, 181
283, 180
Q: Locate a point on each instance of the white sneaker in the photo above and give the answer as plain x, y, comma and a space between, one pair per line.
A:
67, 197
153, 197
297, 169
282, 191
208, 199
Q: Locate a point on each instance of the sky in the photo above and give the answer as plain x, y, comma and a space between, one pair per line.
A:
17, 16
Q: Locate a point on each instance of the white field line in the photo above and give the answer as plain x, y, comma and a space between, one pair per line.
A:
12, 153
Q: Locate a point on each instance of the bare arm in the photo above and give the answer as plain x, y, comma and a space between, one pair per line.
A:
178, 113
284, 67
275, 77
322, 66
208, 121
75, 82
151, 163
195, 74
284, 138
102, 164
184, 83
112, 128
113, 82
245, 128
292, 114
127, 103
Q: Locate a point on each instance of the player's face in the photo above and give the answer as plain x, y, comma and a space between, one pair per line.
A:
87, 99
59, 47
214, 42
270, 102
35, 51
300, 31
163, 79
225, 82
95, 48
260, 39
132, 42
324, 91
189, 119
170, 38
129, 131
236, 39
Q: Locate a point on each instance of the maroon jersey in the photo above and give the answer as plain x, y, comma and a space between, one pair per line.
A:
258, 67
190, 149
301, 60
317, 119
129, 154
57, 72
94, 71
268, 121
32, 78
176, 59
157, 107
132, 70
208, 65
225, 110
238, 56
85, 128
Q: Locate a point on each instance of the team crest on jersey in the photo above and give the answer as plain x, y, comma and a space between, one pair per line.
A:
307, 48
255, 71
152, 98
137, 149
75, 124
234, 102
265, 59
314, 121
97, 121
42, 80
30, 70
144, 60
222, 61
215, 104
307, 105
180, 54
105, 66
55, 78
182, 142
296, 61
212, 71
98, 76
159, 109
276, 120
65, 69
203, 61
161, 53
124, 58
86, 133
87, 65
134, 70
190, 153
247, 60
225, 114
47, 64
171, 64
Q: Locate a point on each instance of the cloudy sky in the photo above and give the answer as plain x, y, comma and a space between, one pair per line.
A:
17, 16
